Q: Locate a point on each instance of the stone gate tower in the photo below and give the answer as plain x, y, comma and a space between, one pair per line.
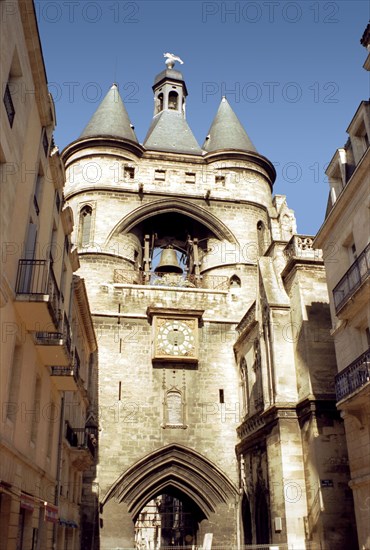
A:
176, 243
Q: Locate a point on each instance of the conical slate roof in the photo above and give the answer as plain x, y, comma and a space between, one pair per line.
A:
110, 119
226, 132
170, 132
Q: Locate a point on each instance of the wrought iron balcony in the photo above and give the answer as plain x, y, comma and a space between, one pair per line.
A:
38, 296
67, 378
81, 439
356, 275
55, 347
215, 282
353, 377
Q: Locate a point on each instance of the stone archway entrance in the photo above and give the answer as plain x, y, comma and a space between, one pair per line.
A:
173, 496
170, 520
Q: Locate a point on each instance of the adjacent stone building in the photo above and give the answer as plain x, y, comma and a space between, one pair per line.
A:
217, 412
48, 344
344, 238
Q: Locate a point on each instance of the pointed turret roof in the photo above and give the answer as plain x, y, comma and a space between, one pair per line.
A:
226, 132
110, 119
170, 132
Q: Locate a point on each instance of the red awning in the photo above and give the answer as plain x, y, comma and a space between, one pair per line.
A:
50, 513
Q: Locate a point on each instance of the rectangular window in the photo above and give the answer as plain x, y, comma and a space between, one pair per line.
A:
52, 420
36, 410
352, 253
54, 243
160, 175
57, 201
190, 177
45, 142
220, 180
129, 173
367, 332
9, 105
14, 384
38, 191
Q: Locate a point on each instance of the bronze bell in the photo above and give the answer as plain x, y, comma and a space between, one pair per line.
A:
168, 262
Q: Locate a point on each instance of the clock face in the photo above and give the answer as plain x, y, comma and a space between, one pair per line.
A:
175, 338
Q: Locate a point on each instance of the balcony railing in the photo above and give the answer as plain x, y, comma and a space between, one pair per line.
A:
80, 438
352, 280
300, 246
354, 377
67, 378
36, 278
215, 282
50, 338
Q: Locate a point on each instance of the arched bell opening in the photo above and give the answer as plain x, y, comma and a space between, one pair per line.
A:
173, 100
173, 247
197, 239
169, 519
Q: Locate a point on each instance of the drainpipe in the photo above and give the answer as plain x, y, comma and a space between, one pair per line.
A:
59, 466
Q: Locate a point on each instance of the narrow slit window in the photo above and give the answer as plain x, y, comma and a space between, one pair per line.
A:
85, 225
9, 105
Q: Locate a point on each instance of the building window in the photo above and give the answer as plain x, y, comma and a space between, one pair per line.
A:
13, 88
36, 410
85, 225
129, 173
190, 177
160, 175
45, 142
261, 237
173, 99
15, 381
53, 418
58, 201
38, 191
9, 105
235, 282
220, 180
244, 384
159, 103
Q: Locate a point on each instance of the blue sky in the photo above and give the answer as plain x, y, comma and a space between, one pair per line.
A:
292, 72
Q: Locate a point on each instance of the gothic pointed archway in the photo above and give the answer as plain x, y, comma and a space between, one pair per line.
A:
173, 468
